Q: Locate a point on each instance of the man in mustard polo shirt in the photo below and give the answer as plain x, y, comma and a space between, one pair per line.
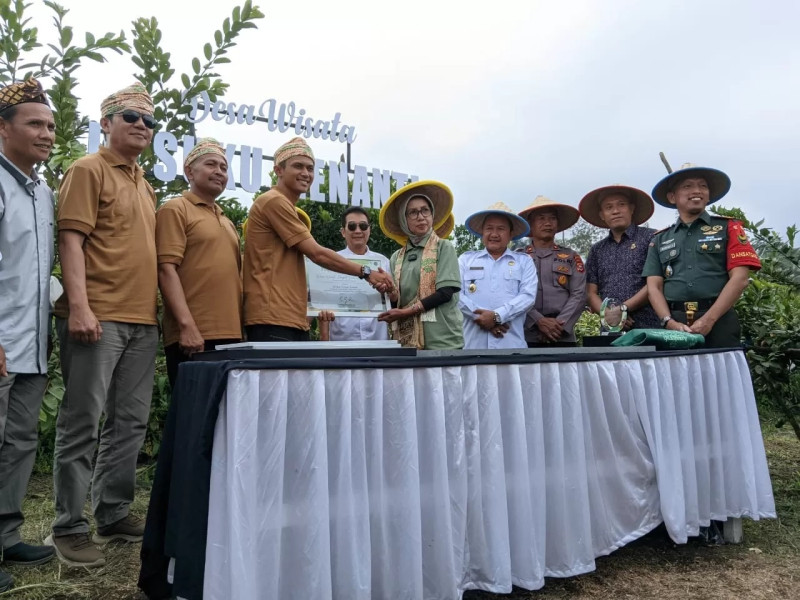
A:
199, 263
106, 322
274, 274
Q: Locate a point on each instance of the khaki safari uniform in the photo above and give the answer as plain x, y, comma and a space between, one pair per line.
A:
694, 261
109, 201
274, 273
561, 293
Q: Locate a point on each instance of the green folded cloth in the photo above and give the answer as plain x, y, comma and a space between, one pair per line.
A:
662, 339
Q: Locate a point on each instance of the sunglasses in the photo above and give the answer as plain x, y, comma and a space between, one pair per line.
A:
351, 226
131, 116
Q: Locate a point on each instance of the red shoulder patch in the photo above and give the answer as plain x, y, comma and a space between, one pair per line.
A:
579, 263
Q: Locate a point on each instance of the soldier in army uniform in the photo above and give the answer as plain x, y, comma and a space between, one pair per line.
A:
698, 268
561, 295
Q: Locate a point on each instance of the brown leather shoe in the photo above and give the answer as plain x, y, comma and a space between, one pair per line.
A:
129, 529
76, 550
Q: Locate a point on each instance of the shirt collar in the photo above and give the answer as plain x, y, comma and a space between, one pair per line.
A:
115, 160
704, 217
21, 178
629, 233
197, 200
354, 254
485, 253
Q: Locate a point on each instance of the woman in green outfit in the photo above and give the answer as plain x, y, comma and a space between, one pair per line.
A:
424, 313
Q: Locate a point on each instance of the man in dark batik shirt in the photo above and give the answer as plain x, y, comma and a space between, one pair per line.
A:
614, 266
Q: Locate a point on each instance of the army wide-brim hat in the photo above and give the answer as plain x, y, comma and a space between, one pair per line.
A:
567, 215
589, 205
443, 231
519, 226
718, 182
439, 194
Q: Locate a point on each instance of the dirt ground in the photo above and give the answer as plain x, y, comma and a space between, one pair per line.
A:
765, 566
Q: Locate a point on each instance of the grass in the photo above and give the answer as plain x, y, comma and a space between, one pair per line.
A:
766, 566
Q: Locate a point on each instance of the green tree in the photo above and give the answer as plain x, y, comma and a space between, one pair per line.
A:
581, 236
21, 57
169, 94
464, 241
769, 310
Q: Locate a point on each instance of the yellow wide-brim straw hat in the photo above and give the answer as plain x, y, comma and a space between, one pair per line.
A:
440, 196
589, 205
567, 215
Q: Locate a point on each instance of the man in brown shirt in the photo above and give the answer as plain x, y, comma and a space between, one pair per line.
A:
106, 322
275, 293
199, 263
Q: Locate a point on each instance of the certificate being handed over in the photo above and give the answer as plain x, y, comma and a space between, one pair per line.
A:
345, 295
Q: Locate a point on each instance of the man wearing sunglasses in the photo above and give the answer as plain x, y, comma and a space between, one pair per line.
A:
106, 323
355, 231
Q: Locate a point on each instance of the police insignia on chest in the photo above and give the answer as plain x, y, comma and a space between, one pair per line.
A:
668, 271
562, 279
472, 287
562, 256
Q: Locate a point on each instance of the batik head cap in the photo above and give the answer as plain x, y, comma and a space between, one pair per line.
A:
294, 147
21, 92
134, 97
204, 146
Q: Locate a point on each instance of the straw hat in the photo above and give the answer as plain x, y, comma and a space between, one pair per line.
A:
443, 231
520, 227
567, 215
440, 196
718, 183
590, 204
300, 213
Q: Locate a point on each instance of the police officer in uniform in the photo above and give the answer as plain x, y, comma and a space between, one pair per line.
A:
698, 268
561, 294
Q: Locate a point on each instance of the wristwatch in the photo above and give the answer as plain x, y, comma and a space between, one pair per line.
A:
497, 319
665, 320
624, 308
365, 272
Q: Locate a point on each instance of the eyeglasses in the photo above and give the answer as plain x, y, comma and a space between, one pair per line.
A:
131, 116
418, 212
352, 225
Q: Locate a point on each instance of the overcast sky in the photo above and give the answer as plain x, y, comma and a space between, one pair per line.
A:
507, 100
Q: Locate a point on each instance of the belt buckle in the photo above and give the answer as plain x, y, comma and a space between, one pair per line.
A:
690, 308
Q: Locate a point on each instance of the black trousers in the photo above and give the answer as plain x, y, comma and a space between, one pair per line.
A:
726, 333
175, 356
275, 333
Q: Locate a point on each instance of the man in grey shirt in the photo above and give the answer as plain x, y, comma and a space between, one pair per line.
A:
27, 131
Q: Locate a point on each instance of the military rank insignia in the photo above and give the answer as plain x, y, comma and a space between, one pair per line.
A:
579, 263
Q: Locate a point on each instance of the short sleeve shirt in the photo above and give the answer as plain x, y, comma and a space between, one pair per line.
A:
274, 272
446, 332
109, 201
204, 245
694, 259
616, 269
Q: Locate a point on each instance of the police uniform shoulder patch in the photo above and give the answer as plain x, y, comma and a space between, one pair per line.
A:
578, 263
